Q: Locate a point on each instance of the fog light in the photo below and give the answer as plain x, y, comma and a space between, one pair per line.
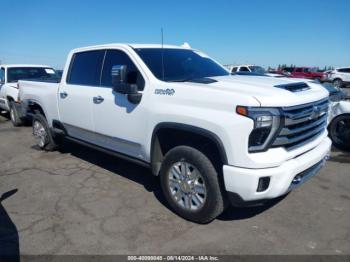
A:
263, 184
297, 179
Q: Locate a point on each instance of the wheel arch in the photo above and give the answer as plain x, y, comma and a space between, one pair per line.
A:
189, 132
32, 107
337, 78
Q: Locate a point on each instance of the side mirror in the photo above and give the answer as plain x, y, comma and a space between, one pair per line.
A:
118, 75
120, 85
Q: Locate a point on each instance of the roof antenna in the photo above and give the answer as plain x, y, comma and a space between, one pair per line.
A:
162, 53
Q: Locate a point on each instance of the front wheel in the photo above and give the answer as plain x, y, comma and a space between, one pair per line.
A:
338, 83
191, 185
339, 132
42, 133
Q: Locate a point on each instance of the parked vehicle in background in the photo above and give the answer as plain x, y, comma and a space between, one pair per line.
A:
59, 73
340, 77
211, 137
339, 118
303, 72
252, 69
9, 76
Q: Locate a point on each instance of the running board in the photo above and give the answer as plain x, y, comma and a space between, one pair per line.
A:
110, 152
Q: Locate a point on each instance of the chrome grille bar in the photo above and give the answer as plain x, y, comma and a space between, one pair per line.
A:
285, 140
302, 124
290, 131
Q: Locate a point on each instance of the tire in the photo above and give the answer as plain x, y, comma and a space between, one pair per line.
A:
338, 83
42, 133
14, 116
339, 132
197, 197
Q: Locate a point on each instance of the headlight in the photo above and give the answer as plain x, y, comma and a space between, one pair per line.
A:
266, 124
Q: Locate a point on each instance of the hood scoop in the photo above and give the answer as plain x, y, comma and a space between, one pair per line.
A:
203, 80
294, 87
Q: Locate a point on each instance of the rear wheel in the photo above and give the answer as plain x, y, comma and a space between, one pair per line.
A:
42, 133
14, 116
190, 185
339, 132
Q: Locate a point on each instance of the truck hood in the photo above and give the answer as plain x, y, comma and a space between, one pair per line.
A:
266, 90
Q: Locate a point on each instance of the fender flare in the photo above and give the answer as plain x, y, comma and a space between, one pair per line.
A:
193, 129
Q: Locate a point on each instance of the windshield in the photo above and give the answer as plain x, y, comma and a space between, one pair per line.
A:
179, 64
21, 73
257, 69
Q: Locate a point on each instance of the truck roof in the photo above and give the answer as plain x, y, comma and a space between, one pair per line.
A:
116, 45
23, 65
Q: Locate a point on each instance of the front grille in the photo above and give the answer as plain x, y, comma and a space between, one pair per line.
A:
302, 124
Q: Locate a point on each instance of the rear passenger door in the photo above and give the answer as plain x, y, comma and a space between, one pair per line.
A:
76, 94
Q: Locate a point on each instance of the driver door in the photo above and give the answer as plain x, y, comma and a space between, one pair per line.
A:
118, 123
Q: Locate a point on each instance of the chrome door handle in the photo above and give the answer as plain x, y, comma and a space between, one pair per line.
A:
98, 99
63, 95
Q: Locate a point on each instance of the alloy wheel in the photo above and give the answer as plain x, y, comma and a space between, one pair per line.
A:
187, 186
40, 134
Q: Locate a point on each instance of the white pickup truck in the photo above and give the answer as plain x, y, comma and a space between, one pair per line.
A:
212, 138
9, 76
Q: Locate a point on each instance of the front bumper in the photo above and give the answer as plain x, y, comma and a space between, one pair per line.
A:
243, 182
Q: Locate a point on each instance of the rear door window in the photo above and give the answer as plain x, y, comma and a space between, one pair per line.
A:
85, 68
344, 70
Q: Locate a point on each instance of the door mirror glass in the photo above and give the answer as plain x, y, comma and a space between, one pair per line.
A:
118, 75
121, 85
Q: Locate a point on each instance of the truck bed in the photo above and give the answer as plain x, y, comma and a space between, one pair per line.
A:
42, 92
